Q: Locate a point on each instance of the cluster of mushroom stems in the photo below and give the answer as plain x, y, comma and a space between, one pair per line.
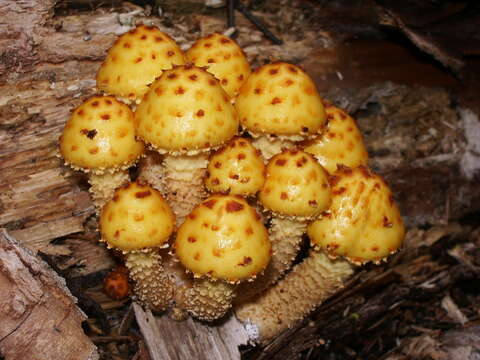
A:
235, 168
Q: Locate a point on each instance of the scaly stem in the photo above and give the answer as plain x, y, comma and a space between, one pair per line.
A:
102, 186
183, 181
291, 299
271, 146
207, 299
151, 170
152, 287
285, 236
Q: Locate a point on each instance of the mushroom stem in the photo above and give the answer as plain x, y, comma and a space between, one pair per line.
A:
207, 299
151, 170
305, 287
152, 286
270, 146
285, 236
183, 182
102, 186
182, 281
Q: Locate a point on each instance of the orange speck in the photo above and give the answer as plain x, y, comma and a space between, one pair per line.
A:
246, 260
179, 91
233, 206
142, 194
276, 100
281, 162
210, 203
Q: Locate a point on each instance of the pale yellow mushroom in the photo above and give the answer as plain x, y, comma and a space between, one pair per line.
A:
363, 224
139, 222
278, 105
135, 60
222, 57
99, 138
184, 115
340, 144
296, 190
236, 169
222, 242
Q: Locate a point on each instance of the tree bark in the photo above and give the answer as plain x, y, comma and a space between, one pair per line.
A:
39, 317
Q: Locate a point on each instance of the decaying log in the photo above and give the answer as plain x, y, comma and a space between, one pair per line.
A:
48, 67
382, 303
169, 339
462, 344
424, 42
39, 317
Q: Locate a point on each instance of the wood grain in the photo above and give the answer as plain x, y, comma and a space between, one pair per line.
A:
37, 309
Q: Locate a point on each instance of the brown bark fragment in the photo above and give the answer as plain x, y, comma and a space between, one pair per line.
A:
37, 309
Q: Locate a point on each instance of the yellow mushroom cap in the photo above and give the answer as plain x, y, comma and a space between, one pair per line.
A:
296, 185
186, 111
364, 223
136, 218
236, 169
223, 238
280, 99
223, 58
99, 135
135, 60
341, 143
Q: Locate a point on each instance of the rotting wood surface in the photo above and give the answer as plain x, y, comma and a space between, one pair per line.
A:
39, 317
48, 67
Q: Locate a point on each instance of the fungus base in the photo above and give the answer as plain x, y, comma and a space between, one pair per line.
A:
207, 299
152, 287
304, 288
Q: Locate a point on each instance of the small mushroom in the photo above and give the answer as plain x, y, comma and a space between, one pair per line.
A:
340, 144
139, 222
222, 57
99, 138
278, 105
296, 190
363, 224
236, 169
135, 60
184, 115
222, 242
116, 284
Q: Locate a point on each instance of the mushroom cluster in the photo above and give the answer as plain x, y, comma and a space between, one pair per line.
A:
234, 169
